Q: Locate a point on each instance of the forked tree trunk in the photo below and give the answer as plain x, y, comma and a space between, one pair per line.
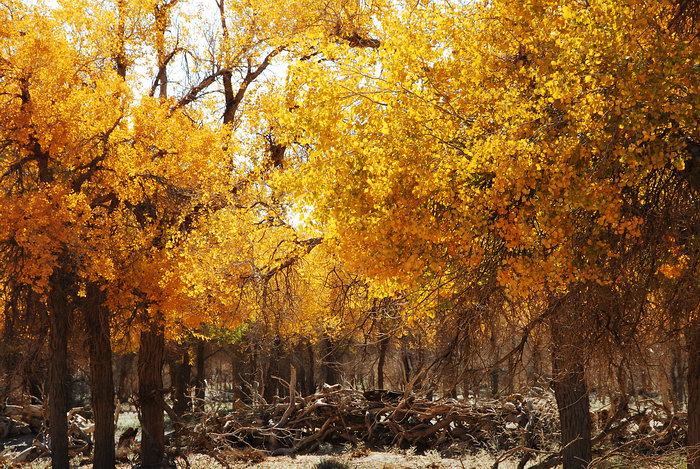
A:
102, 381
59, 311
571, 393
151, 353
693, 376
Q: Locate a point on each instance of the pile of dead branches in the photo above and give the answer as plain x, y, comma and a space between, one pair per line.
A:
20, 425
514, 426
376, 419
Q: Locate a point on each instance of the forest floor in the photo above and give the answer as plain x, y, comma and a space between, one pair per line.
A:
372, 460
457, 456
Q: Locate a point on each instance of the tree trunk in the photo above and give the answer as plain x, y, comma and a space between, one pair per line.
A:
495, 381
330, 364
237, 374
383, 347
693, 377
406, 367
678, 377
272, 369
571, 394
59, 312
297, 360
102, 381
152, 345
180, 375
311, 380
276, 369
200, 392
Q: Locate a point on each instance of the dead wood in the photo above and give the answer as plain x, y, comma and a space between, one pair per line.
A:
515, 426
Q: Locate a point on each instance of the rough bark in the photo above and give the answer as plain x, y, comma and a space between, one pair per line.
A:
693, 377
59, 318
102, 380
571, 393
151, 356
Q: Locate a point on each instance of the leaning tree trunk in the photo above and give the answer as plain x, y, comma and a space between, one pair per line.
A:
571, 393
59, 312
693, 377
102, 381
151, 353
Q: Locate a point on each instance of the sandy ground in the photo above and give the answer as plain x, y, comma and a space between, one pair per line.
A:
372, 460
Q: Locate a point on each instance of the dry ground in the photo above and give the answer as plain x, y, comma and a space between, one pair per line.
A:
373, 460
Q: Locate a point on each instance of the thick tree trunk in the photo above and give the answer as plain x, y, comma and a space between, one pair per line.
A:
693, 377
152, 345
59, 312
102, 382
571, 394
